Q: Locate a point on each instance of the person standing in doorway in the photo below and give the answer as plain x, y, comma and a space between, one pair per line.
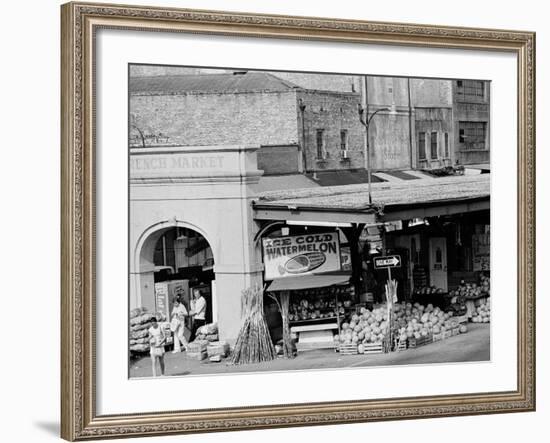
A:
157, 340
177, 325
198, 311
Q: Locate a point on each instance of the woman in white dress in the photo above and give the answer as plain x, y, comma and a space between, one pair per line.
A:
177, 325
157, 340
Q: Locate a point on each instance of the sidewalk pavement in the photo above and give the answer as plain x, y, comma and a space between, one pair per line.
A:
469, 347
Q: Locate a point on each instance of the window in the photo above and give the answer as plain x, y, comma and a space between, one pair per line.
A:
472, 135
344, 139
422, 146
433, 146
447, 153
438, 255
470, 89
320, 138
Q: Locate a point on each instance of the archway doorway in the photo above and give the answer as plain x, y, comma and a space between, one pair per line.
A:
173, 261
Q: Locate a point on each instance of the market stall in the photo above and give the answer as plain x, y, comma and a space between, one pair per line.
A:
317, 305
474, 294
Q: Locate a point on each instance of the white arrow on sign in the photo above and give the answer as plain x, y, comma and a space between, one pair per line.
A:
390, 261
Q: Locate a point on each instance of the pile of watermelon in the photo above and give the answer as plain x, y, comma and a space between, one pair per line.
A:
410, 321
366, 327
416, 320
482, 313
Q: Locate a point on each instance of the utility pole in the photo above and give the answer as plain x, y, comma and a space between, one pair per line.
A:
366, 120
302, 107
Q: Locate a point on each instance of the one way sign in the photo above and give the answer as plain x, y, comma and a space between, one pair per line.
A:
389, 261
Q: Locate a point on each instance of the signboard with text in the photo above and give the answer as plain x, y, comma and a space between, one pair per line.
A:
389, 261
293, 256
481, 250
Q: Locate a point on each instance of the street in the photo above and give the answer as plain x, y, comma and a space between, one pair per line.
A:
469, 347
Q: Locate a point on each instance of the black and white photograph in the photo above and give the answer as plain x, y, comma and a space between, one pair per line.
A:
275, 220
287, 221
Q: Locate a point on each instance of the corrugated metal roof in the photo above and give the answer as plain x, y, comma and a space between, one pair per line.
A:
412, 192
209, 83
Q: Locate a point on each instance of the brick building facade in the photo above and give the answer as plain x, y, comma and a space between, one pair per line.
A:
471, 121
330, 130
310, 122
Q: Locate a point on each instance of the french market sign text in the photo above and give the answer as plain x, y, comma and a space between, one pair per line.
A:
301, 255
176, 162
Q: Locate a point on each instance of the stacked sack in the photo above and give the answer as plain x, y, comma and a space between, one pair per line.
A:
140, 322
206, 335
208, 332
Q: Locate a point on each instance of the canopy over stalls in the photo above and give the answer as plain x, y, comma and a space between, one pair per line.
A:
390, 201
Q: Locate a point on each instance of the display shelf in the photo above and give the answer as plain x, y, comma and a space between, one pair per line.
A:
310, 327
477, 297
311, 320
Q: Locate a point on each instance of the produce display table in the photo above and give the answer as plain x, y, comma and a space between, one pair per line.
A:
473, 301
440, 300
314, 336
444, 301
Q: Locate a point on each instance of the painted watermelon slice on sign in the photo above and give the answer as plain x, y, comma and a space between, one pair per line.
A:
303, 263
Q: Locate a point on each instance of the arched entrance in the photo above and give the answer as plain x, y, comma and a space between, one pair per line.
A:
175, 254
204, 190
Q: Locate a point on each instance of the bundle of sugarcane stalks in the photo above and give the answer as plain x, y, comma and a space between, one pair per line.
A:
391, 298
254, 343
284, 304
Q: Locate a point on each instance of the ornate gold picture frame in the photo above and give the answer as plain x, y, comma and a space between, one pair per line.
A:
80, 21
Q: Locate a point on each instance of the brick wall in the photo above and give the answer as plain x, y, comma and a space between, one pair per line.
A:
273, 119
209, 119
331, 112
158, 70
279, 159
322, 82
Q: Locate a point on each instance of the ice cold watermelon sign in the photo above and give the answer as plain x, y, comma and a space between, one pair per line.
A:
301, 255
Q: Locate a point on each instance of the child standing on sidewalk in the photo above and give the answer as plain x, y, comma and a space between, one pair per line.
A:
157, 340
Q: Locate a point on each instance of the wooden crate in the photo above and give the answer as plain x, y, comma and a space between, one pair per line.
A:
399, 345
460, 319
416, 342
197, 346
197, 355
348, 349
437, 337
373, 348
217, 348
